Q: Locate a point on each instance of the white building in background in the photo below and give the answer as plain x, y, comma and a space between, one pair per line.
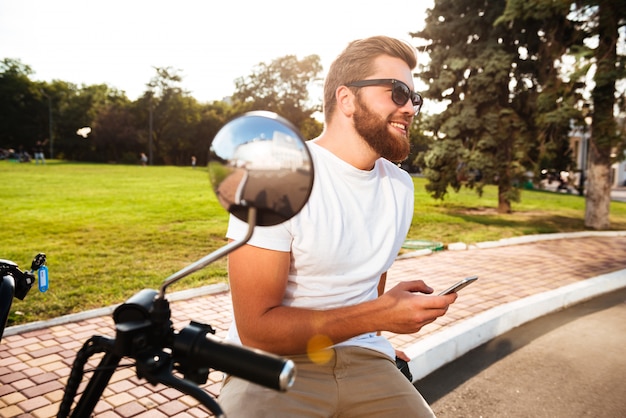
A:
279, 152
579, 144
618, 173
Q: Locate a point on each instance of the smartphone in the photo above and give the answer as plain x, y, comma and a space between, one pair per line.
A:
460, 285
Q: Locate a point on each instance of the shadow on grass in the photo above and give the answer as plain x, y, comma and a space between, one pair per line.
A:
539, 222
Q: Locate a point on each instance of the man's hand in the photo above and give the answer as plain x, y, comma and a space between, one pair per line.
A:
407, 311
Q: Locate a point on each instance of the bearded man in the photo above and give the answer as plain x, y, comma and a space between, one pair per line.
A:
312, 288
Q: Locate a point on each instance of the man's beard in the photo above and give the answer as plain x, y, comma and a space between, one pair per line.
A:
375, 131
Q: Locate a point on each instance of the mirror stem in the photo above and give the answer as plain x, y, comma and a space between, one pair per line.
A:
215, 255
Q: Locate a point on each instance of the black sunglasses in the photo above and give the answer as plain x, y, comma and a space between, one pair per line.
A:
400, 92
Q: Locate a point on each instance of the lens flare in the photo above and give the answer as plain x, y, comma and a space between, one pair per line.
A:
318, 349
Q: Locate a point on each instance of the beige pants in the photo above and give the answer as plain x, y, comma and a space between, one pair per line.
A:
356, 382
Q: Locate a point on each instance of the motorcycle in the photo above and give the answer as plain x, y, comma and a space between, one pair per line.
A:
262, 173
17, 283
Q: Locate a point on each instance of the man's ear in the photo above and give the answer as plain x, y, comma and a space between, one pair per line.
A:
345, 101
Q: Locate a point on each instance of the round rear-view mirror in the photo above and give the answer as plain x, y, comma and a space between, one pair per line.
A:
260, 160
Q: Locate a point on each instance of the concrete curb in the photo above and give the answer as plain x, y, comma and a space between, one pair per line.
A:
441, 348
525, 239
107, 311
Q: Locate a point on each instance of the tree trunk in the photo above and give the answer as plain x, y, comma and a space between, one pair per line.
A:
603, 128
598, 201
504, 201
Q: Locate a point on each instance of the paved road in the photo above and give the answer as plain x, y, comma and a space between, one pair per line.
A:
569, 364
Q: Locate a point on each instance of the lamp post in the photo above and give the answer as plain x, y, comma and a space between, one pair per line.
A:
150, 127
584, 151
49, 124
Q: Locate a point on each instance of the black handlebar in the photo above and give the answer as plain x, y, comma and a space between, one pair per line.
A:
144, 333
194, 347
197, 344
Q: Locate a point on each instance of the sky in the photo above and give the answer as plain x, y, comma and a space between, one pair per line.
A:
209, 42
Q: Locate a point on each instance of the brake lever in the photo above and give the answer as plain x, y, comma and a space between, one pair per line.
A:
156, 367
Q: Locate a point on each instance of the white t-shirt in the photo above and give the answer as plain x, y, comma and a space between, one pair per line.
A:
346, 236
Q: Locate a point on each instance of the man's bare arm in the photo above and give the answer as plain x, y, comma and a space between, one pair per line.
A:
258, 279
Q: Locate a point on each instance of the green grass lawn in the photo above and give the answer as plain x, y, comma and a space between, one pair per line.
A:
111, 230
466, 217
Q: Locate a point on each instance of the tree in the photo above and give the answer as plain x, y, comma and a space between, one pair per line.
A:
421, 139
213, 118
546, 90
165, 117
480, 137
167, 110
571, 27
115, 134
23, 115
76, 108
39, 111
282, 87
609, 16
503, 65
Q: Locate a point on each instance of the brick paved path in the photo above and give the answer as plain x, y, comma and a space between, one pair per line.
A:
34, 365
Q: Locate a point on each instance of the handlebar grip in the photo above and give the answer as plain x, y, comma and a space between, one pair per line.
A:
254, 365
